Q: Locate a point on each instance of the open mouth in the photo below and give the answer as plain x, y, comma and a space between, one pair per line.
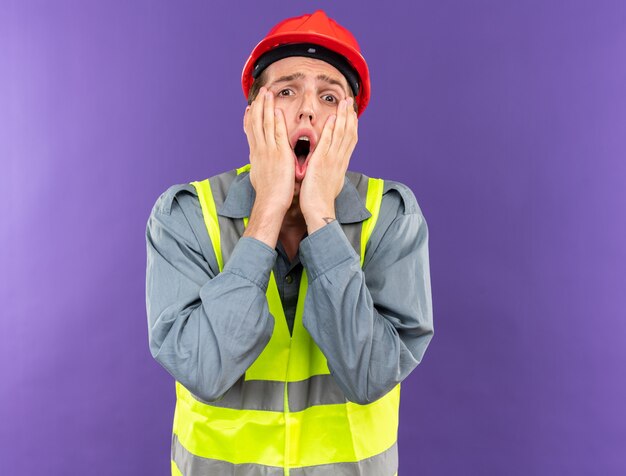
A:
302, 149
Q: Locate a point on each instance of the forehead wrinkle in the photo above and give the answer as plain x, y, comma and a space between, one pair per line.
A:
287, 78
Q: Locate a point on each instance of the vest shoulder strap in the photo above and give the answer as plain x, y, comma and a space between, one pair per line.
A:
371, 192
224, 232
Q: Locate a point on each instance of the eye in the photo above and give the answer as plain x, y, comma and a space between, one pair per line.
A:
283, 91
329, 98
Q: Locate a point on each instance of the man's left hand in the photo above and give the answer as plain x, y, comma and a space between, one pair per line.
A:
327, 166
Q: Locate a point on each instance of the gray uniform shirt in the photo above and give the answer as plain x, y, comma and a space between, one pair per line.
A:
373, 324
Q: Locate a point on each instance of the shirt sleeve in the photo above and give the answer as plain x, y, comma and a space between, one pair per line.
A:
374, 323
205, 328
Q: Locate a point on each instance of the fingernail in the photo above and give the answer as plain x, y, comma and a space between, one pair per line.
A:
268, 95
276, 113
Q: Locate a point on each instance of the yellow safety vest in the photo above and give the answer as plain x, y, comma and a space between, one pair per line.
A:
286, 415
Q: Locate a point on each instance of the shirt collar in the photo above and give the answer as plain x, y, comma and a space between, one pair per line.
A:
349, 207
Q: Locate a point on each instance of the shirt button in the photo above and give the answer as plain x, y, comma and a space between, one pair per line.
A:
289, 279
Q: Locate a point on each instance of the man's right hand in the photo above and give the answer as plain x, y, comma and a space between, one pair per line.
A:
272, 167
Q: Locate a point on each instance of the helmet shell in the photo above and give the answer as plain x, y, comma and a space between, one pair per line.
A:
319, 29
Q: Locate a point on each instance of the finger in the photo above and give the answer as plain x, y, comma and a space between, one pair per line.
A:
323, 146
350, 133
281, 139
340, 126
268, 119
257, 118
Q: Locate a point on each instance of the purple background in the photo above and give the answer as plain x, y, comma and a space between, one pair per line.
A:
507, 119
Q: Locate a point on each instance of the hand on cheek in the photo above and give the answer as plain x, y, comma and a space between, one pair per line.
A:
272, 168
327, 166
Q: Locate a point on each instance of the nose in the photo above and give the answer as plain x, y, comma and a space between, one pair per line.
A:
307, 108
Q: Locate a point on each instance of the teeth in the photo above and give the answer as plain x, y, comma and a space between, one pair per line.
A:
303, 138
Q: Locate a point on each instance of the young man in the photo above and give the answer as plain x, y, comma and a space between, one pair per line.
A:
290, 297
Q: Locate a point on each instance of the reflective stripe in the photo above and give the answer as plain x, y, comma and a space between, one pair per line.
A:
251, 395
317, 390
244, 168
175, 470
187, 464
383, 464
191, 465
372, 202
230, 230
210, 217
269, 395
320, 434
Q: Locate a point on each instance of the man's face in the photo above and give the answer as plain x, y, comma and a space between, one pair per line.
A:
308, 91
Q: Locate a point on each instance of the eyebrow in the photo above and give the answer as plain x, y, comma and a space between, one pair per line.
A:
328, 79
321, 77
291, 77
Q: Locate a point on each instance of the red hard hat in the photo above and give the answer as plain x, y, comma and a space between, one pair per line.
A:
317, 29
